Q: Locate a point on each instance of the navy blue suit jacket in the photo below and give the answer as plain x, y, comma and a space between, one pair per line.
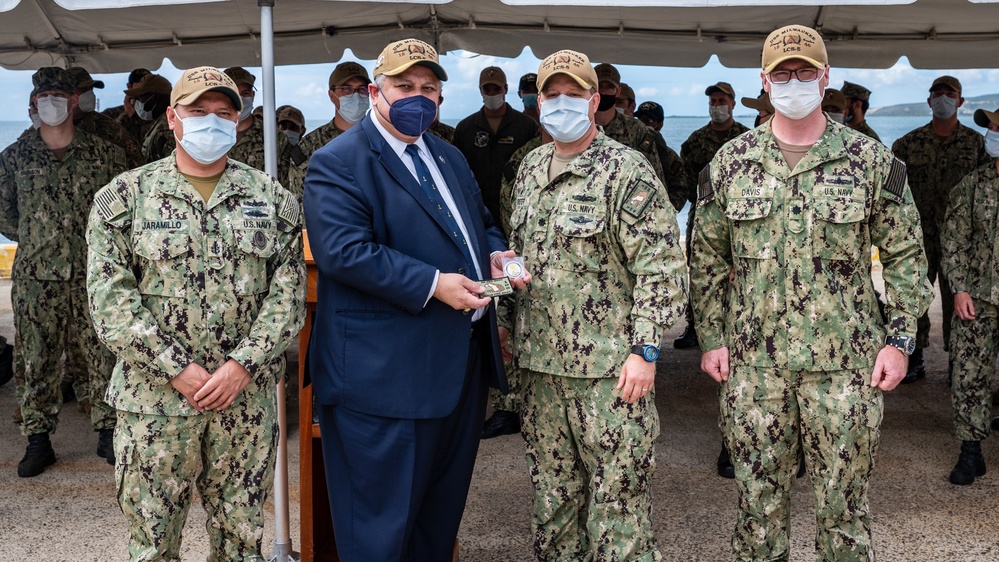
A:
377, 243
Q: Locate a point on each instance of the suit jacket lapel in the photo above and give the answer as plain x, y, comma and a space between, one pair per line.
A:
474, 226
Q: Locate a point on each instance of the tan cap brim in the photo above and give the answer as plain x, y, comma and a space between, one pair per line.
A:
578, 80
191, 97
983, 117
809, 60
438, 69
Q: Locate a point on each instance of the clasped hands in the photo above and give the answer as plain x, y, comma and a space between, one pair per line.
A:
215, 391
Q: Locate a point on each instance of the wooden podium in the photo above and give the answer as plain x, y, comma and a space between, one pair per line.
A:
317, 541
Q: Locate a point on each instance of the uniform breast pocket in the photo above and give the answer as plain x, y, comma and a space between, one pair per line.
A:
837, 228
163, 254
579, 240
255, 248
751, 231
984, 212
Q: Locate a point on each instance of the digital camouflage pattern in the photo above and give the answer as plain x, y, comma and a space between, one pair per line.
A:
699, 148
249, 149
299, 159
173, 282
767, 414
603, 248
138, 128
783, 233
594, 489
675, 171
159, 141
43, 207
443, 130
936, 164
781, 276
635, 135
865, 129
110, 130
602, 245
971, 262
157, 459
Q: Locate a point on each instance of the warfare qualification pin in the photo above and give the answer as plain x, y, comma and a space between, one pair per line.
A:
513, 267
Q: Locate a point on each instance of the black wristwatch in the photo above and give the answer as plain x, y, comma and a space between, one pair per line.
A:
648, 352
904, 344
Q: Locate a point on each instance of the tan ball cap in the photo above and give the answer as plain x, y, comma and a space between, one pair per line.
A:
794, 42
606, 72
492, 75
196, 81
834, 98
397, 57
760, 103
983, 117
345, 71
290, 113
572, 63
723, 87
150, 84
948, 81
627, 92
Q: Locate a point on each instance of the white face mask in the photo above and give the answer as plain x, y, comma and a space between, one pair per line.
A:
353, 107
142, 112
207, 138
837, 117
293, 136
992, 143
53, 110
795, 100
87, 101
943, 107
718, 113
566, 118
36, 121
493, 102
247, 110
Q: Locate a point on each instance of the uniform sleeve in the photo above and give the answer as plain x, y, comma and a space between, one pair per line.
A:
710, 262
955, 236
8, 201
121, 321
282, 312
676, 179
647, 144
650, 238
896, 231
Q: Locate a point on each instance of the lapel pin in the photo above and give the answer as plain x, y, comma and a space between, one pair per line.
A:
441, 158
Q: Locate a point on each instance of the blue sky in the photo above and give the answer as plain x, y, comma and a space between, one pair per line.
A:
679, 90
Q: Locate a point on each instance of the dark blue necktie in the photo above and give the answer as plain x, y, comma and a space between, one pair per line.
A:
436, 200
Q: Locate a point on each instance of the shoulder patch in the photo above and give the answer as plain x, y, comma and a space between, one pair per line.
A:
109, 205
896, 181
638, 199
297, 156
289, 211
705, 188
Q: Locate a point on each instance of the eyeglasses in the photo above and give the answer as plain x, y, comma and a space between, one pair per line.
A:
343, 91
802, 74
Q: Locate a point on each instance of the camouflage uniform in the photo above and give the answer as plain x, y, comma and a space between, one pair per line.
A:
635, 135
249, 149
137, 127
175, 281
114, 112
936, 164
299, 163
602, 244
43, 206
444, 131
108, 129
159, 141
971, 262
801, 323
865, 129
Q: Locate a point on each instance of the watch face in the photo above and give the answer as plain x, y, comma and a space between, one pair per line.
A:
651, 353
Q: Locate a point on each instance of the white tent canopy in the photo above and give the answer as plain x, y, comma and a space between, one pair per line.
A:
119, 35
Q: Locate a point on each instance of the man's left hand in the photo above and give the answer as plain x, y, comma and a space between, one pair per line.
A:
638, 378
889, 368
225, 385
496, 267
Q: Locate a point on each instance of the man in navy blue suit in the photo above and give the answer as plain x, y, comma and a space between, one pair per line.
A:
405, 345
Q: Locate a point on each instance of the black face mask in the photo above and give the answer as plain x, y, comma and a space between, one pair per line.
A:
606, 102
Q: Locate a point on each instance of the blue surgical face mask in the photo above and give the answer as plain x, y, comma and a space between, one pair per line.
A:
413, 115
566, 118
992, 143
530, 101
353, 107
207, 138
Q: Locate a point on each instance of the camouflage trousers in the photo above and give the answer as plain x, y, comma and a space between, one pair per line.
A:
158, 458
591, 459
933, 273
52, 318
973, 349
835, 416
512, 400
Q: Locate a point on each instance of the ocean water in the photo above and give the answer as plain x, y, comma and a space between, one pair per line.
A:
675, 131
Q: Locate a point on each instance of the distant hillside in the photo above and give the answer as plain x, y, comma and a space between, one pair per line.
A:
988, 101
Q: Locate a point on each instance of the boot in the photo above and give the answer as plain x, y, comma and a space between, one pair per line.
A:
105, 444
501, 423
688, 340
725, 467
970, 464
38, 455
917, 367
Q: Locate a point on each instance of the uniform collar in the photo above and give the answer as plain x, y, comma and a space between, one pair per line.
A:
172, 182
831, 145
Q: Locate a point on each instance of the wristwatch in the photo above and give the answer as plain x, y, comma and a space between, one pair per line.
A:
648, 352
904, 344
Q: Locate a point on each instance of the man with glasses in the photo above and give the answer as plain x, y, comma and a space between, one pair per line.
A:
786, 309
348, 92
